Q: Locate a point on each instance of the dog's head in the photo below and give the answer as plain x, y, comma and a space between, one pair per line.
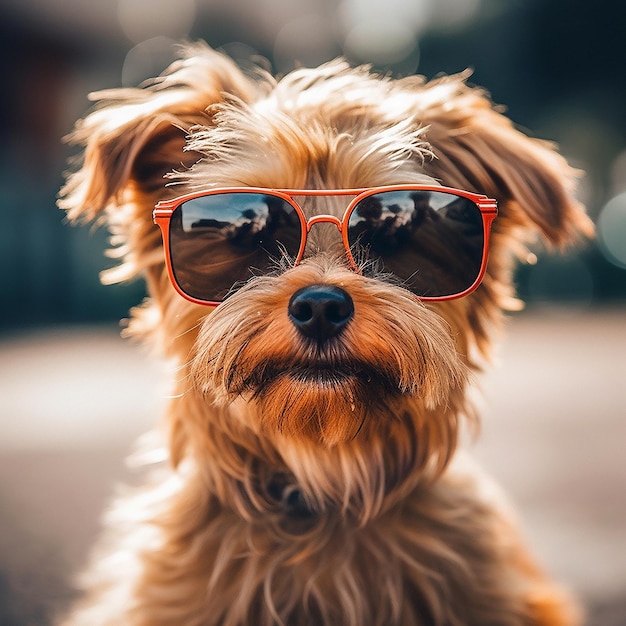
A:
329, 353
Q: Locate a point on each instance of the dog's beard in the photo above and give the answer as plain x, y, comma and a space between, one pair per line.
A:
331, 392
316, 400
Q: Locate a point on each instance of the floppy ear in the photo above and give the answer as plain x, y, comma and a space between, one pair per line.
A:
477, 147
133, 138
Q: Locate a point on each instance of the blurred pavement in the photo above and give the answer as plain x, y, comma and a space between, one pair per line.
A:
554, 435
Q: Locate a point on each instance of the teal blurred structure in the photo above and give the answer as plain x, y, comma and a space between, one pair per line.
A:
557, 66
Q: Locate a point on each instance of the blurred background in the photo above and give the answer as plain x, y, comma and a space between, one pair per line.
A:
73, 395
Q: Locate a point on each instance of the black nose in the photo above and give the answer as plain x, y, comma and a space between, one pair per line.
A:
320, 311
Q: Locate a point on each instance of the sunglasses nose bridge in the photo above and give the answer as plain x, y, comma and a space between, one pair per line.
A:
321, 240
317, 219
323, 218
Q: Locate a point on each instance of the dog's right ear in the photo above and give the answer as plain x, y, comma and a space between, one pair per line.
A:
133, 137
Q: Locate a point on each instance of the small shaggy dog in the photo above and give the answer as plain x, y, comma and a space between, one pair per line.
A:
326, 297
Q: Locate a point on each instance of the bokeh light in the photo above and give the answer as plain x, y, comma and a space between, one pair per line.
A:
304, 41
142, 20
414, 14
382, 33
452, 15
382, 42
388, 34
147, 59
612, 230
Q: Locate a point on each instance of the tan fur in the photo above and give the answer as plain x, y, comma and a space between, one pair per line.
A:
332, 500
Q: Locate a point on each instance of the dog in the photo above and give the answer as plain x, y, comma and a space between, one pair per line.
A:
327, 272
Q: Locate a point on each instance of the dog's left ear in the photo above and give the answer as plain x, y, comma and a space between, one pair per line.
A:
136, 135
478, 148
133, 138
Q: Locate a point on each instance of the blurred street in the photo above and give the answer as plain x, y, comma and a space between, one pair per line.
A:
75, 399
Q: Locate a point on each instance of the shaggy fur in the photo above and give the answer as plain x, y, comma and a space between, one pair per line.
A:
334, 497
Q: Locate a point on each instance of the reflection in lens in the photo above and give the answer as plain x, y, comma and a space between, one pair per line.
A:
221, 240
433, 241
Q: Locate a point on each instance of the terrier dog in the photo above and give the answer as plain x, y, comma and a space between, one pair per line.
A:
327, 271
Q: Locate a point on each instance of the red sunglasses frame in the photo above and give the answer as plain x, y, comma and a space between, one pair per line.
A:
164, 209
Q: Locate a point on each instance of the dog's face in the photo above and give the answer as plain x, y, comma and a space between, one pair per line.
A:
382, 369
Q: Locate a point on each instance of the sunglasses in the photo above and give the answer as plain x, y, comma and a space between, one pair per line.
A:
434, 239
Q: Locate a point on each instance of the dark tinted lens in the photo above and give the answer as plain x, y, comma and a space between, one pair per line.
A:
220, 240
433, 241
